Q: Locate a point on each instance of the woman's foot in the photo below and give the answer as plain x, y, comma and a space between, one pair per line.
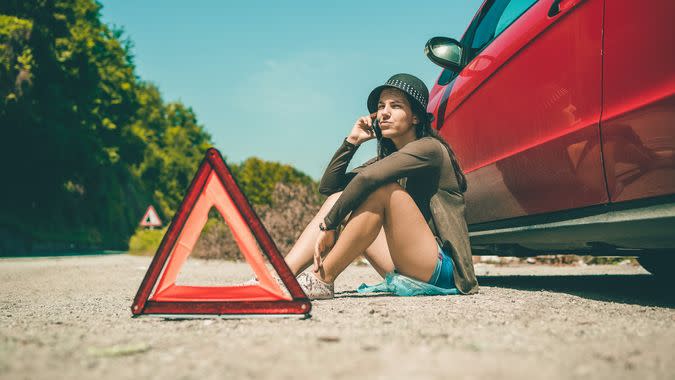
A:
315, 288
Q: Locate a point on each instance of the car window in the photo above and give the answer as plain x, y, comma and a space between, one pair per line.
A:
511, 13
446, 77
496, 19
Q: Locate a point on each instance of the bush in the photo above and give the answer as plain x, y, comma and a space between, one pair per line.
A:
146, 242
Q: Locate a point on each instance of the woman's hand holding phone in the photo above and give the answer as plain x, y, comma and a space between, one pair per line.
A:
363, 130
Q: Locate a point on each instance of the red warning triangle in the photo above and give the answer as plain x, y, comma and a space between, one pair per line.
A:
214, 185
150, 218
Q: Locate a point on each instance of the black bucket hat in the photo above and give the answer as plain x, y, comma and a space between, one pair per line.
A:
407, 83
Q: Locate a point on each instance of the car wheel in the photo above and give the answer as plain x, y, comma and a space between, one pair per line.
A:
659, 264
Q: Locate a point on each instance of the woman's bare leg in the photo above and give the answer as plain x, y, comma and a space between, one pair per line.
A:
300, 257
411, 243
378, 254
301, 254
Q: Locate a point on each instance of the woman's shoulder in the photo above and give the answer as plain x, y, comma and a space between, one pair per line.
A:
427, 145
428, 142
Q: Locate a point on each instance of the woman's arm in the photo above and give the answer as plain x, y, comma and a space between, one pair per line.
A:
335, 179
423, 154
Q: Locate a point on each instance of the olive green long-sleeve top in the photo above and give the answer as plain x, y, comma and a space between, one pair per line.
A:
429, 179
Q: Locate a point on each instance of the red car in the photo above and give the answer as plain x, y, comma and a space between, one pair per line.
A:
562, 113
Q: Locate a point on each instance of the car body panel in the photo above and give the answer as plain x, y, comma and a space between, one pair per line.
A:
638, 119
523, 115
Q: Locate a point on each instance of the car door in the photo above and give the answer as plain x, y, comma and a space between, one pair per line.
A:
638, 117
523, 114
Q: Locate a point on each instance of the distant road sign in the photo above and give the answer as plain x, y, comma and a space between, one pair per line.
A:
151, 219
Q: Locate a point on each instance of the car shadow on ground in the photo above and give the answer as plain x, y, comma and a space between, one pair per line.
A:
645, 290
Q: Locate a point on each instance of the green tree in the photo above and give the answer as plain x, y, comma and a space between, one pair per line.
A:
77, 131
175, 144
86, 145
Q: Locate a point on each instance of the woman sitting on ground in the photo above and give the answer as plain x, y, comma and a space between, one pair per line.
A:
404, 209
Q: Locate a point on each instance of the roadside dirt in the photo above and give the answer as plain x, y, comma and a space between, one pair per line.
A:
70, 318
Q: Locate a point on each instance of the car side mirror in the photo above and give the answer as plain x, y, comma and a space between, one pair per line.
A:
445, 52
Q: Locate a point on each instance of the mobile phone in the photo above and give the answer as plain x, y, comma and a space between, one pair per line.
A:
376, 125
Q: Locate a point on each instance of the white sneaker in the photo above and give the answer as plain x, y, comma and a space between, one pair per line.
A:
314, 287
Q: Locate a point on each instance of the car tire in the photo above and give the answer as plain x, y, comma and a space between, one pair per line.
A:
658, 264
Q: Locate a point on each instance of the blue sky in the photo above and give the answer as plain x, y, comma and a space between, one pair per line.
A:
283, 82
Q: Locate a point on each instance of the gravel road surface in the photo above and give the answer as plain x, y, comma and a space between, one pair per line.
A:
69, 318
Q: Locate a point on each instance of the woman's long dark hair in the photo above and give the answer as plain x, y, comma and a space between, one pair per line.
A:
386, 147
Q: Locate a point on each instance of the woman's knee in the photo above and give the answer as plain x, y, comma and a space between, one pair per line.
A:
333, 197
330, 201
384, 191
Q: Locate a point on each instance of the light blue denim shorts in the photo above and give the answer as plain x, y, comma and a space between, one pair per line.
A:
443, 277
441, 282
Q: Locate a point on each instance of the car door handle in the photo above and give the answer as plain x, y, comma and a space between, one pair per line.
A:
561, 5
